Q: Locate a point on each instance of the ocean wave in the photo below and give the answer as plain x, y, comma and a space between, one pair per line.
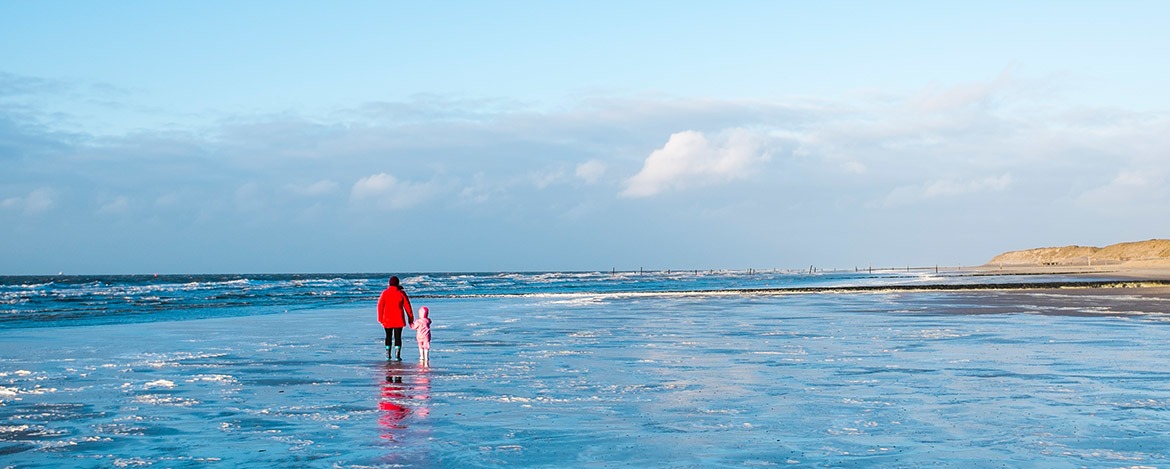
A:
83, 300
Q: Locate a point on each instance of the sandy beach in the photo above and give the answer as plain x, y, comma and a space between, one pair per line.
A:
695, 235
1149, 270
1135, 272
952, 378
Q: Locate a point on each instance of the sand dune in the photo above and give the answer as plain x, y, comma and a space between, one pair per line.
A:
1152, 253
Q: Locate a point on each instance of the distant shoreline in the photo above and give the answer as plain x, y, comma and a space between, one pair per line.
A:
1135, 270
1127, 284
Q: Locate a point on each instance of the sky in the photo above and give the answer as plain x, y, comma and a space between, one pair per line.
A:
265, 136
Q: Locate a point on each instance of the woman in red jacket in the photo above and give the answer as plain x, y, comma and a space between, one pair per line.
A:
391, 305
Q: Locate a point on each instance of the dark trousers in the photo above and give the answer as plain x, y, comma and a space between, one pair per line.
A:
393, 336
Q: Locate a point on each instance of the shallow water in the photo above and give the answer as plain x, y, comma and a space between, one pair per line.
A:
55, 301
944, 379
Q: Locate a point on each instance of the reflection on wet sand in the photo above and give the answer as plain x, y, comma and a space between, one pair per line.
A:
405, 398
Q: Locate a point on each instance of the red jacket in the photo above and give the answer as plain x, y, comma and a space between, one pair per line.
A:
391, 305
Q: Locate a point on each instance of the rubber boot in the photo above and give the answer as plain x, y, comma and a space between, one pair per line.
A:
388, 352
397, 353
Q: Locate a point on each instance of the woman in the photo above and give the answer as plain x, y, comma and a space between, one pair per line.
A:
391, 305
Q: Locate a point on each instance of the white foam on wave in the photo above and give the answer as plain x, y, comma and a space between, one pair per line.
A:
585, 300
936, 334
132, 462
589, 334
553, 353
295, 444
1141, 404
33, 286
138, 461
161, 383
164, 360
487, 332
165, 400
509, 399
15, 393
11, 429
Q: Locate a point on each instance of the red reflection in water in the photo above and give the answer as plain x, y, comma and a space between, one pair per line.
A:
405, 392
422, 392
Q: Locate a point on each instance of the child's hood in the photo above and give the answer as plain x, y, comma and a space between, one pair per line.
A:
422, 312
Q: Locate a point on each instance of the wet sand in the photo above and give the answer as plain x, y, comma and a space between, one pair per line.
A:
1149, 270
895, 377
1141, 287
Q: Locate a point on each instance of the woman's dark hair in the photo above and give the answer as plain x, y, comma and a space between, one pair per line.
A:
394, 281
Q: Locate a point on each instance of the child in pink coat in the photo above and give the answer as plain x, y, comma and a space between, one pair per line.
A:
422, 333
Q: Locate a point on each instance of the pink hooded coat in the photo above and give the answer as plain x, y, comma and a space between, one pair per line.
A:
422, 328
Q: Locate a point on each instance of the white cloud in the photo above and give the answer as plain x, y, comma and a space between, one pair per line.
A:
478, 190
321, 187
388, 192
591, 171
373, 185
1129, 188
249, 197
964, 96
947, 188
691, 159
37, 201
167, 200
951, 188
942, 153
854, 167
542, 180
119, 204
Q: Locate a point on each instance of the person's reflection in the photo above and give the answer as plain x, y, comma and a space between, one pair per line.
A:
421, 391
392, 403
399, 399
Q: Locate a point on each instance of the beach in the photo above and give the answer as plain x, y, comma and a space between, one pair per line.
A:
1054, 377
695, 235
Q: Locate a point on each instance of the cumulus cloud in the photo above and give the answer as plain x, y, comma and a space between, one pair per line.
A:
978, 94
388, 192
951, 188
37, 201
20, 85
117, 205
322, 187
591, 171
544, 179
691, 159
249, 197
948, 150
944, 188
1129, 188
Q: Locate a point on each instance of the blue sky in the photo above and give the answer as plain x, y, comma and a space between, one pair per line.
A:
143, 137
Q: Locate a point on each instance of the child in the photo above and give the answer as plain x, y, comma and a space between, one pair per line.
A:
422, 333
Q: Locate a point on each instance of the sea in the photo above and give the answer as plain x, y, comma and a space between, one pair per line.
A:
859, 368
